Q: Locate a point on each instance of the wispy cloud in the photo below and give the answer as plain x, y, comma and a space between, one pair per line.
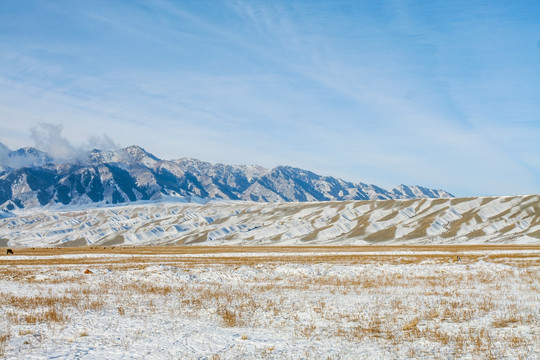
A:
383, 92
48, 137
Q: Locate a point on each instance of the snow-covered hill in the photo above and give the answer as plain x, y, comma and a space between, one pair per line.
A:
420, 221
30, 178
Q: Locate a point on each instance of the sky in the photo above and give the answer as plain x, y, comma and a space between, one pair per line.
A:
444, 94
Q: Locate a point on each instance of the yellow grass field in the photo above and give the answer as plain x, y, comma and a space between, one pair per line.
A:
349, 302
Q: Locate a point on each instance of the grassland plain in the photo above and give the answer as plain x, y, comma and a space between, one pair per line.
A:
341, 302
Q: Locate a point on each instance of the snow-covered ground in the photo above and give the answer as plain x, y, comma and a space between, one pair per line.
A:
510, 220
305, 305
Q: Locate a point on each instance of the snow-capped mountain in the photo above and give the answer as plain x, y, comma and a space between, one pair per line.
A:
24, 157
29, 178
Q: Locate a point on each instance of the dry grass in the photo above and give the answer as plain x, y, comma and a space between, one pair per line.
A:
4, 338
403, 308
178, 250
229, 317
356, 255
508, 319
410, 325
30, 302
47, 316
23, 332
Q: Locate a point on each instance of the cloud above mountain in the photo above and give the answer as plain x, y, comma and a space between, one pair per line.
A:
49, 145
48, 137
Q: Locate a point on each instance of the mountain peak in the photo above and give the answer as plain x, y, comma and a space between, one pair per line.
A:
28, 151
134, 148
23, 157
416, 191
137, 153
132, 174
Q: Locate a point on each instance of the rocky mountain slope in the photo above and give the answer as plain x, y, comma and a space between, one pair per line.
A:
419, 221
30, 178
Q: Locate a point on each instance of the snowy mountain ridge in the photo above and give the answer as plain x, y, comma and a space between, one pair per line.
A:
30, 178
497, 220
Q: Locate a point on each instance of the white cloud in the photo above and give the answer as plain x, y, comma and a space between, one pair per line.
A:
48, 137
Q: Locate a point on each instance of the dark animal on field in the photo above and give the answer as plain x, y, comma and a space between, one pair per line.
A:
9, 251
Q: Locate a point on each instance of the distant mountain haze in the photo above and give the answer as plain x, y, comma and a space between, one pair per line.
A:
31, 178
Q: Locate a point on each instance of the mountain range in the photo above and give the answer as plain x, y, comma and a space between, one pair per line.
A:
31, 178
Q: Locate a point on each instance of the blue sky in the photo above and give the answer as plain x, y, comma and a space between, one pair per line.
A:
445, 94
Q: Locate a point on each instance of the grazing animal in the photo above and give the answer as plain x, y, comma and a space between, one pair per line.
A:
9, 251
